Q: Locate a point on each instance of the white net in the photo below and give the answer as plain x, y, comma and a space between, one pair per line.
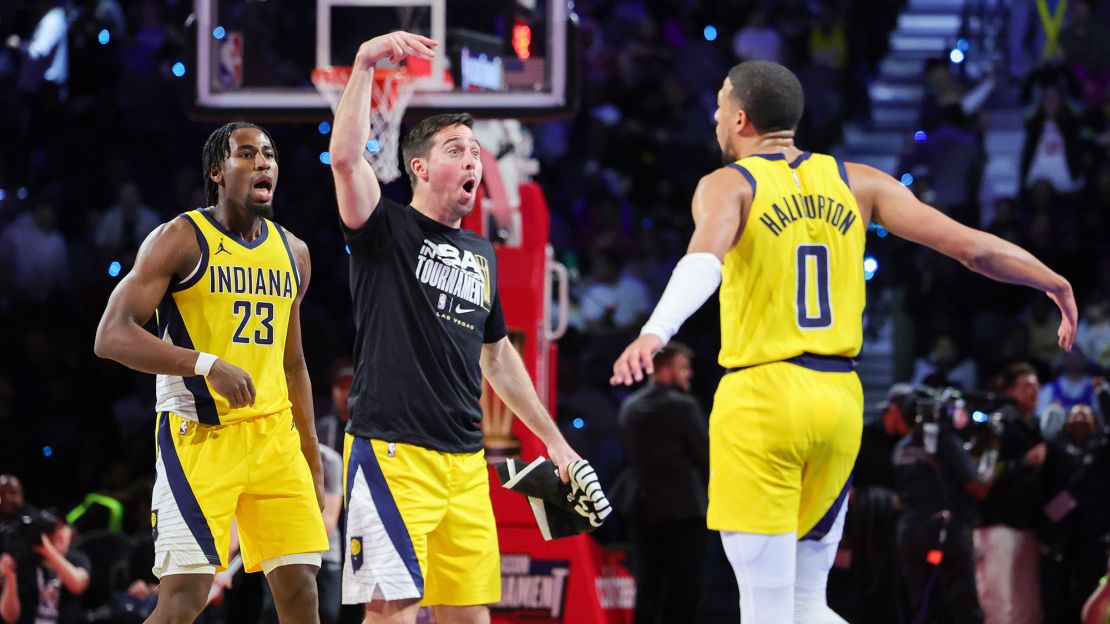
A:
392, 91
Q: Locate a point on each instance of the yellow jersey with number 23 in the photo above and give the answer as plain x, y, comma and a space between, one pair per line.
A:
235, 305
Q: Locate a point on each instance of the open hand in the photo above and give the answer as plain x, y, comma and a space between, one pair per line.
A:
396, 46
1069, 316
636, 361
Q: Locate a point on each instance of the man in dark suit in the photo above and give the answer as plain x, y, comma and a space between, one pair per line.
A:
662, 493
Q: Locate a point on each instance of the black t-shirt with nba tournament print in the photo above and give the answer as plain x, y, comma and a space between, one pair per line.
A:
425, 300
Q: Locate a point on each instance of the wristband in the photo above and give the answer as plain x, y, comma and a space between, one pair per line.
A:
204, 363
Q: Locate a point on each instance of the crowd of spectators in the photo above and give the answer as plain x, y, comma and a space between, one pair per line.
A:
1027, 529
101, 151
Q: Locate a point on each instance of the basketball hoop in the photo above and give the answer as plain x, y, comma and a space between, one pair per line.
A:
393, 88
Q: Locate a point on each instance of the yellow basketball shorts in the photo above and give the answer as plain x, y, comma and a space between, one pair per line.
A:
782, 443
252, 471
419, 525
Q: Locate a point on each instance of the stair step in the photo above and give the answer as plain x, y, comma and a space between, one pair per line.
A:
999, 142
912, 46
1003, 174
938, 6
894, 118
895, 93
929, 24
1006, 118
901, 69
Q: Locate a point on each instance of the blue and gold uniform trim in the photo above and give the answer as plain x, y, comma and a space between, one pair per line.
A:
825, 524
169, 321
363, 457
263, 234
292, 260
183, 494
202, 267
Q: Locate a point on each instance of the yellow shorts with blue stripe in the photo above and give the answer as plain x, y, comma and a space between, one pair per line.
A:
782, 443
419, 525
252, 471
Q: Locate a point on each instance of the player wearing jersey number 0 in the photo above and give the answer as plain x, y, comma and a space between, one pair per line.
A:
781, 231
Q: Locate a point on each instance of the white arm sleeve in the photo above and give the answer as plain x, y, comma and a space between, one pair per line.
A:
694, 280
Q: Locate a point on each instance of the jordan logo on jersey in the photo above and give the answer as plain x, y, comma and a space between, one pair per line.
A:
221, 249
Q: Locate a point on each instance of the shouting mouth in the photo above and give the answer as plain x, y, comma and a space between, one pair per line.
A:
263, 191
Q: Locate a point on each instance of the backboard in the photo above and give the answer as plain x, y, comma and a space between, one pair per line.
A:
497, 58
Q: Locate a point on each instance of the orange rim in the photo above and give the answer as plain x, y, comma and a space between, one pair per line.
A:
385, 78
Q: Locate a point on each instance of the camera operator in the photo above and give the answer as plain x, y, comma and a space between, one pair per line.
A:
1077, 515
938, 485
868, 562
47, 578
1008, 566
880, 436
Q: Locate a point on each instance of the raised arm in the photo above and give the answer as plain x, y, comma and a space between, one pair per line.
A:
898, 210
74, 578
296, 373
718, 208
172, 249
356, 187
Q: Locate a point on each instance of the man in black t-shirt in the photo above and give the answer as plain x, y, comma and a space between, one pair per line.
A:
428, 322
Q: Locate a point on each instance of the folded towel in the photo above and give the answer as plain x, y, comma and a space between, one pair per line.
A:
561, 509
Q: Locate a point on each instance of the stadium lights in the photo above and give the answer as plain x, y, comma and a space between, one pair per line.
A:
870, 267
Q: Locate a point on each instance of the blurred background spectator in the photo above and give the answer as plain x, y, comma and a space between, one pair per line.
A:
662, 494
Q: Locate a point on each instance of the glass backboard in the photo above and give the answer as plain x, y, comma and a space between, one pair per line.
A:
498, 58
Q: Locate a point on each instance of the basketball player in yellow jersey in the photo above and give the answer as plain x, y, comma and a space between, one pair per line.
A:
236, 436
781, 231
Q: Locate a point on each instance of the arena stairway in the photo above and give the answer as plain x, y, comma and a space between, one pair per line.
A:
925, 29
